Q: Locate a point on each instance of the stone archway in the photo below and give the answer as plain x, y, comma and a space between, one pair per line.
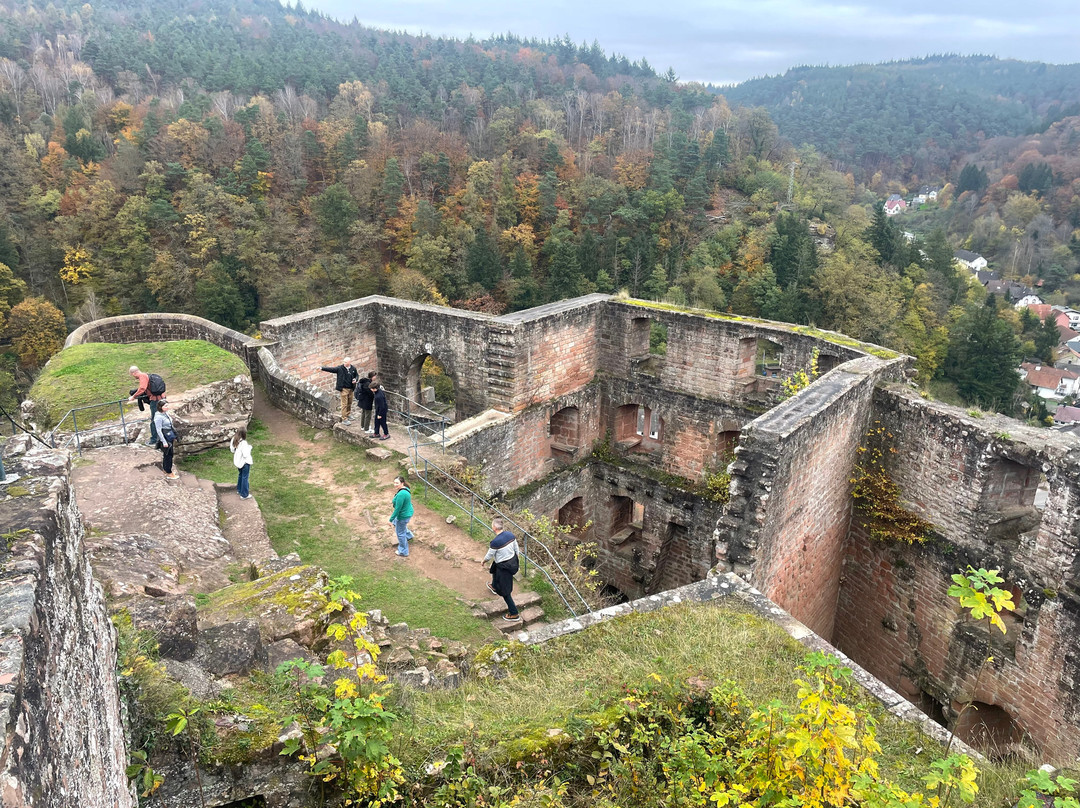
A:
414, 381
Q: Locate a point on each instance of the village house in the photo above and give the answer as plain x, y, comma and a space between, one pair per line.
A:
1067, 415
895, 204
969, 259
1049, 382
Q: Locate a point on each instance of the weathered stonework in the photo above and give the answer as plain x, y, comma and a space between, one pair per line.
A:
205, 417
63, 740
1000, 495
672, 544
787, 521
550, 383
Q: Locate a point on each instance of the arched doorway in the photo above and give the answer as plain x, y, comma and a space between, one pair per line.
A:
429, 384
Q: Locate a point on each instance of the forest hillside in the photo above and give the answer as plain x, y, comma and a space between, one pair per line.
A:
244, 160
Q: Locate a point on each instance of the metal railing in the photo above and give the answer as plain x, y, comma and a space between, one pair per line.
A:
15, 427
420, 419
79, 433
532, 548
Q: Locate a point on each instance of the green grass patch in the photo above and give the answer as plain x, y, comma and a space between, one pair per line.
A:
567, 683
98, 372
302, 517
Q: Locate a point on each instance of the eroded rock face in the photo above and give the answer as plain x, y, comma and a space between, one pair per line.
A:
232, 648
171, 620
64, 741
149, 535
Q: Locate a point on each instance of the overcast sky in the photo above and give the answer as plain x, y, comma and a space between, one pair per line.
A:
725, 41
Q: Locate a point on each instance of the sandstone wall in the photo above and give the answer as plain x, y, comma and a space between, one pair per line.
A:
534, 442
63, 742
999, 494
165, 328
709, 356
787, 522
650, 535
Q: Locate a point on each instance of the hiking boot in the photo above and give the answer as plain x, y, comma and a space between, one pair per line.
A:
512, 618
491, 589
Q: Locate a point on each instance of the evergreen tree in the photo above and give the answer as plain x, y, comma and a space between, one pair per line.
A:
884, 236
483, 262
983, 356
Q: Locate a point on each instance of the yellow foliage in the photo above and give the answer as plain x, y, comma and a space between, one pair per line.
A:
78, 266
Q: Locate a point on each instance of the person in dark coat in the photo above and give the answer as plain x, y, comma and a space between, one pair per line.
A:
365, 399
503, 555
381, 409
344, 384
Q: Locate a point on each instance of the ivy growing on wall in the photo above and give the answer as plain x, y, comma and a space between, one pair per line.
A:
878, 498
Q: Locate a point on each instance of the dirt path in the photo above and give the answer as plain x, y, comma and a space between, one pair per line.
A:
440, 551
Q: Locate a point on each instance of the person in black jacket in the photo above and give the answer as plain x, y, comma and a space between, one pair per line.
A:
346, 382
365, 398
380, 411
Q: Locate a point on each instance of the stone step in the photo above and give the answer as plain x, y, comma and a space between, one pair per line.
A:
529, 617
493, 608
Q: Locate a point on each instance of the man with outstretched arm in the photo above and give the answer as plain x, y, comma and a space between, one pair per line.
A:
345, 384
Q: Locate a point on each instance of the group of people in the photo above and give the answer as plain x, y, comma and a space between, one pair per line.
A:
369, 393
502, 554
163, 434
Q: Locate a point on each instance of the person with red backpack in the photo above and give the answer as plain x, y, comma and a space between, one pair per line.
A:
151, 389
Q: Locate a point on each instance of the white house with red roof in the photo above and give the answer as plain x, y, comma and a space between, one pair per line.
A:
895, 204
1050, 382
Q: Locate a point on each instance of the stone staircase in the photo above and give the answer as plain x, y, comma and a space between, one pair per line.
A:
528, 604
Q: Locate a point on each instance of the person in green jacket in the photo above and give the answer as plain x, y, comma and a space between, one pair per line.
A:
403, 512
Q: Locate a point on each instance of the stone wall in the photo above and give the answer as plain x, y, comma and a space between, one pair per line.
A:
650, 535
695, 434
555, 349
165, 328
787, 521
302, 343
63, 742
998, 494
290, 393
534, 442
710, 356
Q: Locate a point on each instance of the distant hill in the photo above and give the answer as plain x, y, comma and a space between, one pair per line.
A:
911, 117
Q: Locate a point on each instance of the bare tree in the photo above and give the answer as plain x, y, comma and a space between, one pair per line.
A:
15, 78
226, 104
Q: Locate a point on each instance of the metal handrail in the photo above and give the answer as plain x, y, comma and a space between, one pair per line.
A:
527, 538
432, 422
73, 412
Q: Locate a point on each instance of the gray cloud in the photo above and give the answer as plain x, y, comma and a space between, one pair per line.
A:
724, 41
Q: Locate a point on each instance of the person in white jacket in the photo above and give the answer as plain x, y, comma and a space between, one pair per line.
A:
241, 458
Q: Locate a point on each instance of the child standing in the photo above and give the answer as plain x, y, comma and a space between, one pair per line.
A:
241, 450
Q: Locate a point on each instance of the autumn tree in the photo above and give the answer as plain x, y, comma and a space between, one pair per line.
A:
36, 329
